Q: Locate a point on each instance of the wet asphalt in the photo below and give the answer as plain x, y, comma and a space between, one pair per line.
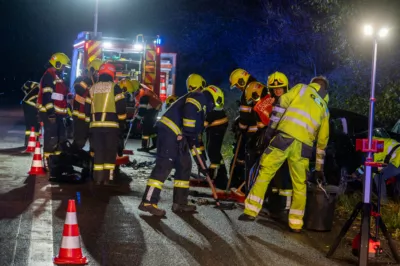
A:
114, 232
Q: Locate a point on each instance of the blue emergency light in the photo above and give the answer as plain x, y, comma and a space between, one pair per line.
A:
158, 41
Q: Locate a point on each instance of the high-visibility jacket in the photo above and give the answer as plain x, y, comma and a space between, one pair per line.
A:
52, 97
302, 114
32, 89
82, 85
105, 105
380, 157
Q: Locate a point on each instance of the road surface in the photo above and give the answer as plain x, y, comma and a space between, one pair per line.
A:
114, 232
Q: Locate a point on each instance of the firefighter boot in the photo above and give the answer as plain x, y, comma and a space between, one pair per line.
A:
145, 144
183, 208
151, 208
154, 146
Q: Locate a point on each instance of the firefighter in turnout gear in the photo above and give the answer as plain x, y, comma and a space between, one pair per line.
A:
245, 124
149, 106
216, 125
106, 107
31, 90
180, 127
170, 100
52, 104
254, 92
300, 118
82, 85
281, 185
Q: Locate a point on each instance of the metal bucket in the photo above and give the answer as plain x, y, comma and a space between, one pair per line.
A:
320, 207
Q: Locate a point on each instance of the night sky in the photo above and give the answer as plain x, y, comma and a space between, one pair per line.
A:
227, 34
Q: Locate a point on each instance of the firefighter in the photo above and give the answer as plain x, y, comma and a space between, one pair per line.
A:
82, 85
300, 118
52, 104
254, 92
216, 125
281, 185
390, 156
196, 82
245, 124
106, 107
170, 100
31, 90
180, 127
149, 106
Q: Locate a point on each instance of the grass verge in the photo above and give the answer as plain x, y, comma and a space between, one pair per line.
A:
390, 212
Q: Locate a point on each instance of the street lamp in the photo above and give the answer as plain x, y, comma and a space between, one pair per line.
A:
96, 14
365, 222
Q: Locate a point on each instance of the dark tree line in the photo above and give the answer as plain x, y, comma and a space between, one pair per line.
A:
301, 38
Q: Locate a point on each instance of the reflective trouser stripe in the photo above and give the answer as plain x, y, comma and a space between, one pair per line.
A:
270, 164
288, 202
155, 183
108, 166
98, 167
285, 192
145, 137
181, 184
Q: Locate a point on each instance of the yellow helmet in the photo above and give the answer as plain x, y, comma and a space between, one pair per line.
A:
95, 64
170, 99
195, 82
254, 92
129, 85
317, 80
278, 80
239, 78
218, 96
58, 60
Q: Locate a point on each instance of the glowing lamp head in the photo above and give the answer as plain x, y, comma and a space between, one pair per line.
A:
368, 30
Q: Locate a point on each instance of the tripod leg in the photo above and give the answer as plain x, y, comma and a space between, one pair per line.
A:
365, 233
389, 239
344, 230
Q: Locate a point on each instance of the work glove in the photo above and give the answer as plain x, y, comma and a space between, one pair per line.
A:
183, 146
320, 176
52, 119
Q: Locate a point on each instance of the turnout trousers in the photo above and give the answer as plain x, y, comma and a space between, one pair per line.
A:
104, 144
31, 120
81, 132
54, 134
217, 169
170, 154
297, 154
149, 130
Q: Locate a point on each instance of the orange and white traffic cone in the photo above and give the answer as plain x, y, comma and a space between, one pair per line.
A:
70, 250
32, 141
37, 164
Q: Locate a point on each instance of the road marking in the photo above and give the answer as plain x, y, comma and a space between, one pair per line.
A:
16, 132
41, 244
16, 240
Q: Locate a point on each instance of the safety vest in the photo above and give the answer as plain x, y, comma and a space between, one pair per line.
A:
58, 96
103, 108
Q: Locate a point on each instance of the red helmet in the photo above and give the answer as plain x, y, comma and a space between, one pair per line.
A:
107, 69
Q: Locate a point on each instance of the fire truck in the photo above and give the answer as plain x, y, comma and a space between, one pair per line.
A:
140, 59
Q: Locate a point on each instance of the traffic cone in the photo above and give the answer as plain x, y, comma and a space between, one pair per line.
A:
37, 164
70, 250
32, 141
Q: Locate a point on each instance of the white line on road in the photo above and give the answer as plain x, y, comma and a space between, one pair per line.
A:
16, 132
41, 244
